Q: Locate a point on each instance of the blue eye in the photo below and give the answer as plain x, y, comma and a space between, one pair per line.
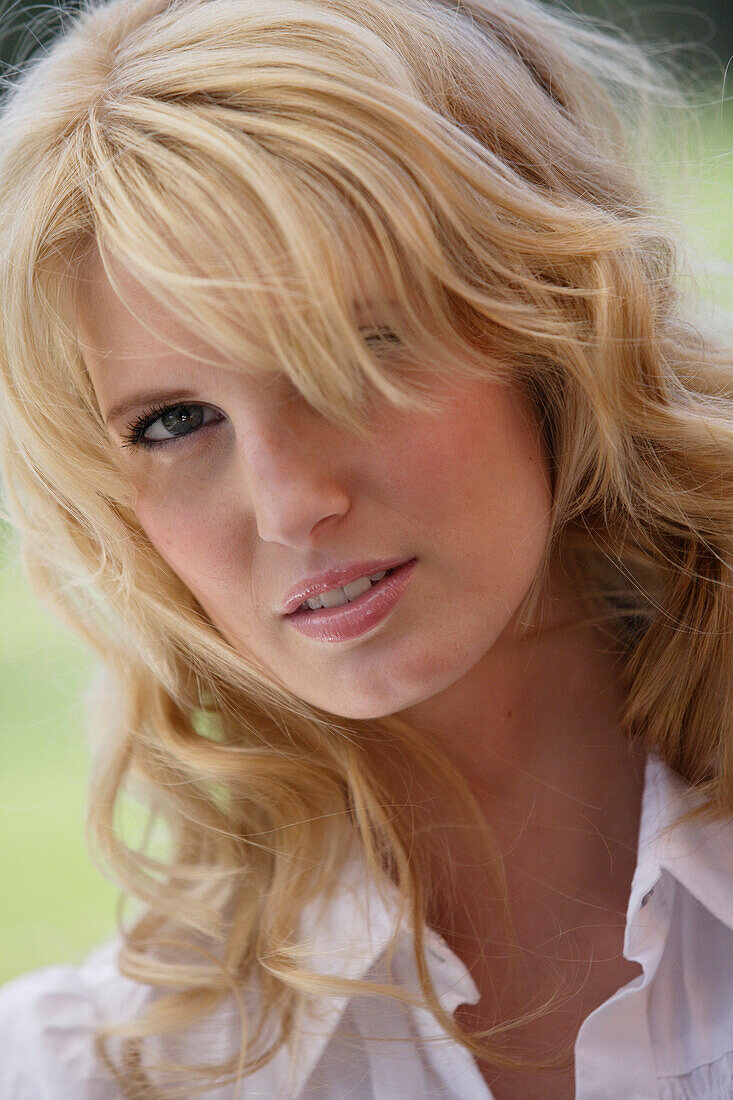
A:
167, 423
163, 424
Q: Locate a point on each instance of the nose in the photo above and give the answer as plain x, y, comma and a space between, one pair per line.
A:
295, 477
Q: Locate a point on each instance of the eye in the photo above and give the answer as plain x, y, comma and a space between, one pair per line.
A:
166, 423
381, 334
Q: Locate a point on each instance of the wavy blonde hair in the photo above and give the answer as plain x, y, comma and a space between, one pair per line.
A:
242, 158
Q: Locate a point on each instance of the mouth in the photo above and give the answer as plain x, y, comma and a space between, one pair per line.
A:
320, 611
357, 616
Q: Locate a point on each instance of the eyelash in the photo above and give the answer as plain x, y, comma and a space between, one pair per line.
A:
133, 434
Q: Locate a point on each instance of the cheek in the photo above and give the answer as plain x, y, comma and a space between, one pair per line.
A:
480, 481
194, 542
482, 469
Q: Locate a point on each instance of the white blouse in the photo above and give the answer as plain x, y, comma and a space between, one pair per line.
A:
666, 1035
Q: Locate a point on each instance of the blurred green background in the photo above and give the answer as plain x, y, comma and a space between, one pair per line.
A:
55, 905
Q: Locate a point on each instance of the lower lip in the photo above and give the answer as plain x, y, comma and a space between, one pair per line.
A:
351, 620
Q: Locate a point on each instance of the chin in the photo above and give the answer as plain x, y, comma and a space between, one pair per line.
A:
375, 704
365, 709
353, 703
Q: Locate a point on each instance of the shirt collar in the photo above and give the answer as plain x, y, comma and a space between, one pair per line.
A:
698, 855
348, 933
350, 930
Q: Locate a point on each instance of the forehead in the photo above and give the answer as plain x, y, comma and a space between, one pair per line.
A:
119, 317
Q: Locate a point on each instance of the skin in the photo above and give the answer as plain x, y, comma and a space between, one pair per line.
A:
243, 508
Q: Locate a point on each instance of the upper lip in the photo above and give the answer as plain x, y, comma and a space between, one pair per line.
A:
336, 577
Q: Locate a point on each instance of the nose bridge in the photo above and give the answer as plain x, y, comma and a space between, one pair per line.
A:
290, 472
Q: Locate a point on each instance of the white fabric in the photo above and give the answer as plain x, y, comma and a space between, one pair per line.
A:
667, 1035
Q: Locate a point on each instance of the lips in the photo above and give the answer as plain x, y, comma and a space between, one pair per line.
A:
358, 617
335, 577
319, 610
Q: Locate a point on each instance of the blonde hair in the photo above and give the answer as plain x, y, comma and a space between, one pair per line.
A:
243, 158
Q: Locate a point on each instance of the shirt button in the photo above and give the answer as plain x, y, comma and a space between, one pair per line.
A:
646, 897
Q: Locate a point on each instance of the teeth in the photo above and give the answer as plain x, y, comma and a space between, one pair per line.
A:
355, 588
336, 597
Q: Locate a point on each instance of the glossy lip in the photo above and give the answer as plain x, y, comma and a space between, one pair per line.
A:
359, 616
334, 578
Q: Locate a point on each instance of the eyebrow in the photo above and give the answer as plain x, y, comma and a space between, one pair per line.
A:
157, 397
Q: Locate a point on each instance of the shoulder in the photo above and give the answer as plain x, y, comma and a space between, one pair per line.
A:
48, 1019
47, 1022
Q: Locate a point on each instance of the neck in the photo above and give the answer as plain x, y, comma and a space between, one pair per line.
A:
536, 732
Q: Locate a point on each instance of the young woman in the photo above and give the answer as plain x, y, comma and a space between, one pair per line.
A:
353, 413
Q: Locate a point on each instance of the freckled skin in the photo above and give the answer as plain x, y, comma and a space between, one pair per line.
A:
243, 509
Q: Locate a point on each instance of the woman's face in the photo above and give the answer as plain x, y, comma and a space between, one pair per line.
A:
261, 491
